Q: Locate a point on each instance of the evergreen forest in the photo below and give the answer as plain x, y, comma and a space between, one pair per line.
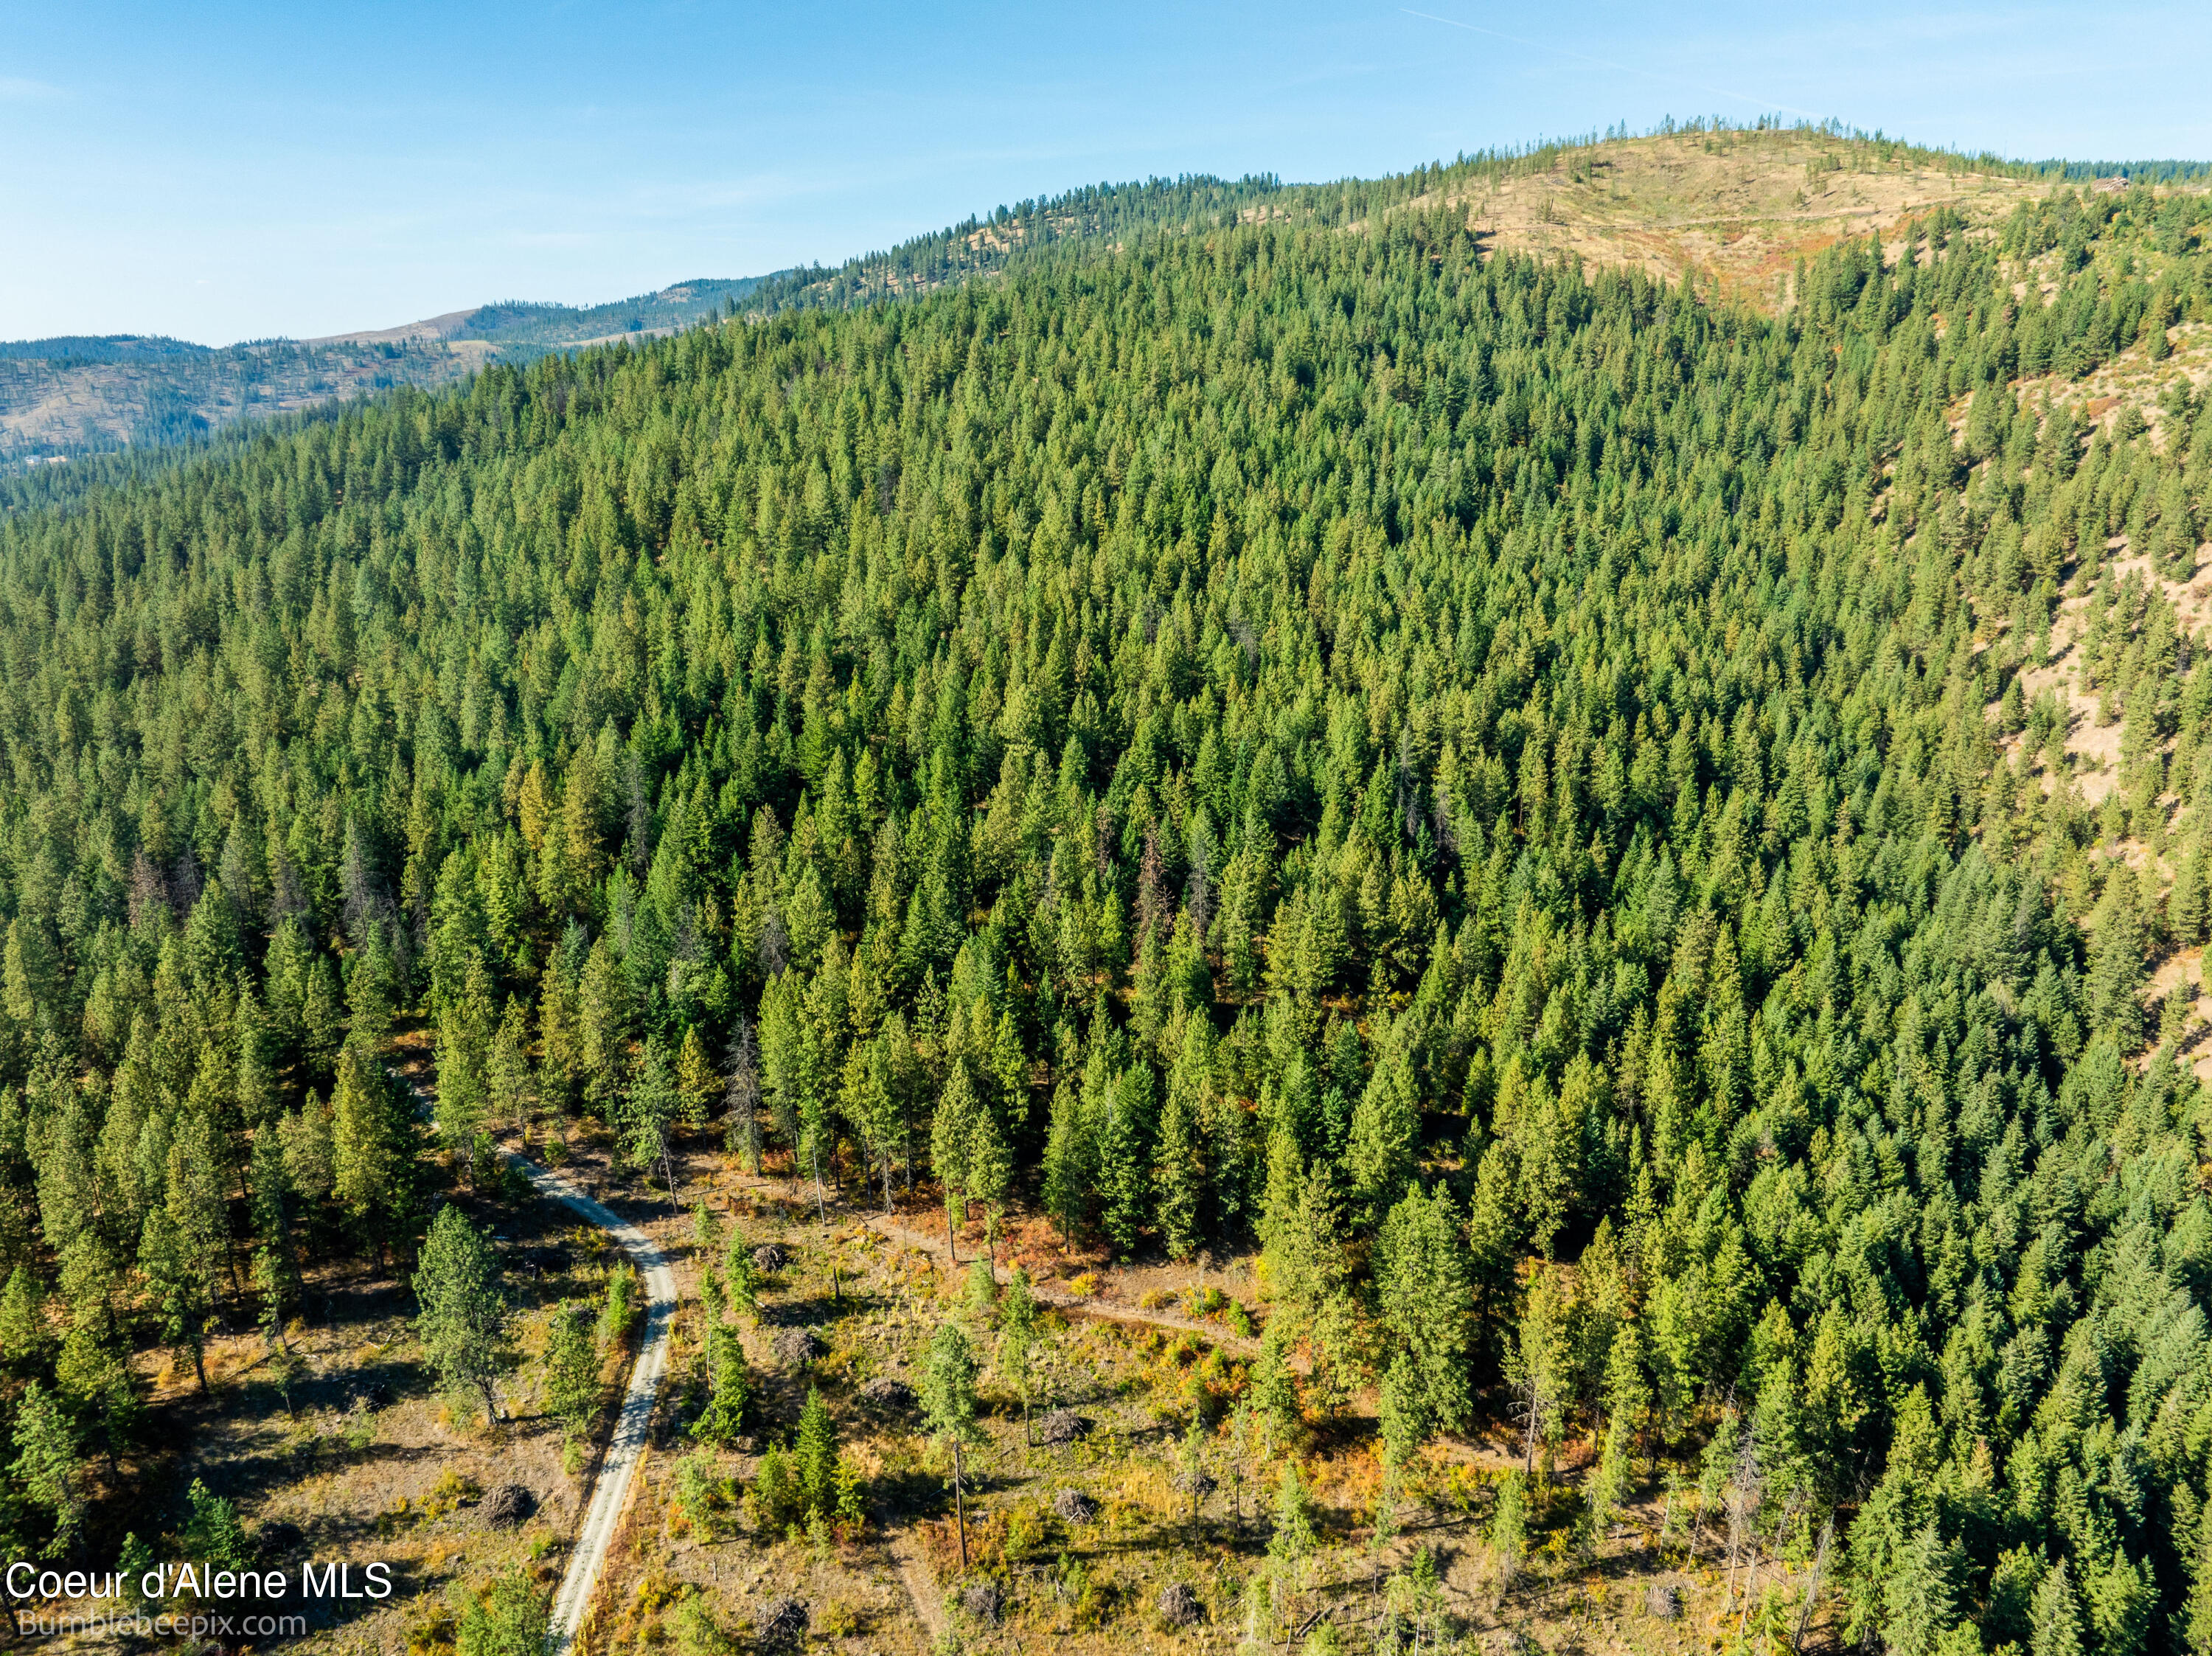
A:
1533, 797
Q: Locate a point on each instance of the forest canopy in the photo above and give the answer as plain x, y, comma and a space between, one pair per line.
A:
1513, 791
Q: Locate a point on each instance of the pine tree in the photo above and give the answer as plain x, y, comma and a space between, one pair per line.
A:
648, 1113
695, 1076
198, 1204
1384, 1143
741, 1278
30, 971
510, 1617
1293, 1540
1401, 1419
1017, 1341
2122, 1603
1920, 1598
1124, 1160
2197, 1622
213, 1534
990, 1175
275, 1269
1274, 1390
177, 1286
741, 1097
730, 1387
93, 1374
948, 1407
45, 1468
603, 1020
571, 1367
369, 1155
463, 1321
1178, 1177
507, 1069
1509, 1528
309, 1150
2055, 1616
560, 1025
952, 1143
948, 1383
1427, 1307
22, 1322
1627, 1395
814, 1455
323, 1024
1542, 1367
1070, 1168
2116, 963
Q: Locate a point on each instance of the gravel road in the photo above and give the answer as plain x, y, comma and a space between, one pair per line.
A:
627, 1447
610, 1488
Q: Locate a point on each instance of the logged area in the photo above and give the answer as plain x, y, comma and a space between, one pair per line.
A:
1304, 932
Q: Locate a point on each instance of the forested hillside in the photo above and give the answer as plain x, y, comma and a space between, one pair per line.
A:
1511, 791
83, 397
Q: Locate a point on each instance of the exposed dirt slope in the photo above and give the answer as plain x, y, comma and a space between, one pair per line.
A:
1736, 209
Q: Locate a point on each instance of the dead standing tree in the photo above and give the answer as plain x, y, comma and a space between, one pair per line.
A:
1745, 1494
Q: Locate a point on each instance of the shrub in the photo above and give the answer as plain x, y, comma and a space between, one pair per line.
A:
508, 1617
702, 1494
982, 1292
213, 1534
618, 1316
777, 1502
695, 1631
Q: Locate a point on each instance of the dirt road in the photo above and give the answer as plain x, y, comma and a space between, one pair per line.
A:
624, 1449
618, 1465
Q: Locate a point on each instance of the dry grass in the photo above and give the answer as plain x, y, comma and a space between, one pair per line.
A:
1734, 211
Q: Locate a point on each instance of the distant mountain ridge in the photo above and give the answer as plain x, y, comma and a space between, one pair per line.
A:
1731, 207
100, 348
80, 394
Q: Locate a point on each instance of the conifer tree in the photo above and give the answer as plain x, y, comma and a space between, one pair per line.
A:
368, 1152
1070, 1169
1426, 1306
45, 1468
572, 1369
603, 1022
1178, 1176
176, 1284
22, 1320
730, 1388
1921, 1597
507, 1068
2116, 963
814, 1454
1124, 1157
463, 1321
647, 1113
951, 1144
990, 1175
1017, 1341
741, 1096
948, 1406
197, 1202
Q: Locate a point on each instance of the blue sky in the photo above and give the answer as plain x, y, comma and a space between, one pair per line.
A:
228, 171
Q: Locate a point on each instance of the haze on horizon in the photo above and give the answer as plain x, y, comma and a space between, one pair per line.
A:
253, 170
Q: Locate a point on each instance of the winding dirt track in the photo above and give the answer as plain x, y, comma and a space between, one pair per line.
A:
618, 1464
611, 1486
